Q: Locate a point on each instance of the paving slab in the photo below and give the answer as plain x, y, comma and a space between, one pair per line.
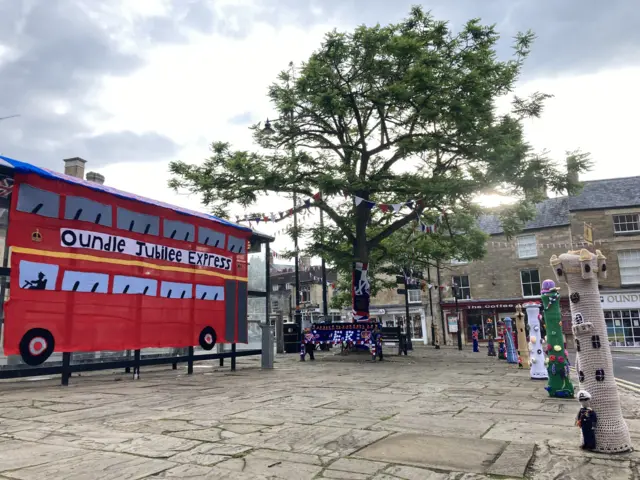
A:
477, 418
445, 453
513, 461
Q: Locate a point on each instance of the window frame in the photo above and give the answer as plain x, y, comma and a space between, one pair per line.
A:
462, 289
621, 254
522, 283
535, 242
419, 300
616, 223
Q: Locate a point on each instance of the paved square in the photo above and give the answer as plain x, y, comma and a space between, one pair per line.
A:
434, 415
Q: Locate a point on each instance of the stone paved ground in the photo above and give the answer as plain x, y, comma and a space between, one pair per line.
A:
433, 415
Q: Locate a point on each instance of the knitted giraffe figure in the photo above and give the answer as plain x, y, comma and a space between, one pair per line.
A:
580, 269
523, 345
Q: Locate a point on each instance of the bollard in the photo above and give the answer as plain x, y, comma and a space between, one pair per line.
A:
267, 345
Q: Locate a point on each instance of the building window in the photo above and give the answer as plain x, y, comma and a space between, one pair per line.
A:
626, 223
629, 262
305, 296
415, 296
288, 286
623, 327
530, 280
275, 287
527, 247
274, 305
463, 285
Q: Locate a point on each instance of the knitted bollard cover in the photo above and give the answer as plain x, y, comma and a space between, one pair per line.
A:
580, 269
536, 354
559, 384
512, 354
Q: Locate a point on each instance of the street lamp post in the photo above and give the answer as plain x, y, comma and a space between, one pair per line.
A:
456, 294
268, 130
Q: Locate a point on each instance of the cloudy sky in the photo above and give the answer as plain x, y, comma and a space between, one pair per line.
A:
130, 88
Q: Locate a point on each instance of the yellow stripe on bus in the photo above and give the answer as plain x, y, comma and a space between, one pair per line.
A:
117, 261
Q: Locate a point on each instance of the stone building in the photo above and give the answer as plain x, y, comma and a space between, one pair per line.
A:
282, 295
513, 269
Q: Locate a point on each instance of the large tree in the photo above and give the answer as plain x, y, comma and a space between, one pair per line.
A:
389, 114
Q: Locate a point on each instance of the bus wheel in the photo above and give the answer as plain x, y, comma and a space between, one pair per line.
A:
207, 338
36, 346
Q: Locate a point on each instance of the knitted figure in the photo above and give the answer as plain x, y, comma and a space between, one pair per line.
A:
587, 420
512, 355
502, 351
474, 336
491, 350
580, 269
559, 384
523, 347
536, 355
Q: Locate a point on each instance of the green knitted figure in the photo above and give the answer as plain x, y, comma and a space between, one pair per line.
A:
559, 384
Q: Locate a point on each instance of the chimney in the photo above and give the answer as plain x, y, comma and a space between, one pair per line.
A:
572, 171
95, 177
74, 167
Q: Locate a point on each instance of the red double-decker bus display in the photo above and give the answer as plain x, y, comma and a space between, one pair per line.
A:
96, 269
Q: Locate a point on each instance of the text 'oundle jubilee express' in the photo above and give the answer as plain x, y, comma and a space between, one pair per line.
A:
72, 238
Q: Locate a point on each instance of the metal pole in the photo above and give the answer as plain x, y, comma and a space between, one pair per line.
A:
298, 314
433, 320
444, 328
455, 293
325, 306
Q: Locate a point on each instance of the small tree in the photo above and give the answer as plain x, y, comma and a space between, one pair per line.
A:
390, 114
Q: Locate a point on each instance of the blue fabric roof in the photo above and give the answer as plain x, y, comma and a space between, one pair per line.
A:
24, 167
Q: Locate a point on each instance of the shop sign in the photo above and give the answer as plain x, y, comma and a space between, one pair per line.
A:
452, 323
620, 300
381, 311
498, 306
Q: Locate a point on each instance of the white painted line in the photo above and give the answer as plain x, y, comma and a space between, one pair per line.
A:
635, 368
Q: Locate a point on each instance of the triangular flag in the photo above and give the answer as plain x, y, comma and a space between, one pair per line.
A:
307, 203
265, 218
290, 211
273, 217
317, 197
281, 215
384, 208
359, 201
409, 204
397, 207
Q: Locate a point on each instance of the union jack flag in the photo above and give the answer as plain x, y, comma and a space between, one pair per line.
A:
6, 186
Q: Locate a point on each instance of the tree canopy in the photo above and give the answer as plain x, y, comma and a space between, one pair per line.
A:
389, 114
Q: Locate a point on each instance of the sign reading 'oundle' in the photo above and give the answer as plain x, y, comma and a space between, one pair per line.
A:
102, 242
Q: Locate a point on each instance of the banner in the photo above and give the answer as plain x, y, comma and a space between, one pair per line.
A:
361, 292
71, 238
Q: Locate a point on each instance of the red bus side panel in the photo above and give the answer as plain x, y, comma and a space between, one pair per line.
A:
91, 297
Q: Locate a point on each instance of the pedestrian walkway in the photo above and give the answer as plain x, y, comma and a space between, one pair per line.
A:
433, 415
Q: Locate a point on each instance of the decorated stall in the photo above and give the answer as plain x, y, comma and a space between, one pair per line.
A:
348, 335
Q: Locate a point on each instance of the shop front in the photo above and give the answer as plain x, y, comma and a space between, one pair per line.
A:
622, 316
485, 314
394, 316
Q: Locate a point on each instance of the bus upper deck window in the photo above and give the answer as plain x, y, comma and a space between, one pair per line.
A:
40, 202
138, 222
179, 230
78, 208
236, 245
209, 237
